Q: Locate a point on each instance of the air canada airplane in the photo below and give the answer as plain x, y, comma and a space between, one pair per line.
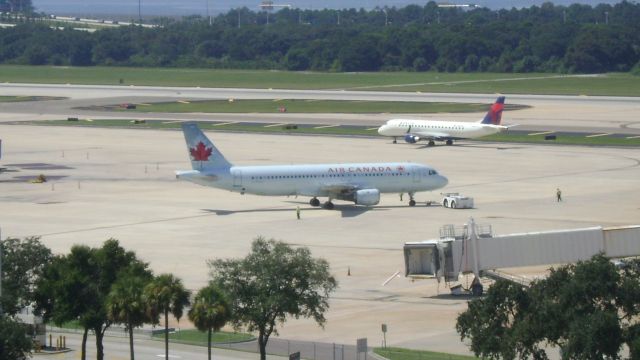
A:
360, 183
430, 130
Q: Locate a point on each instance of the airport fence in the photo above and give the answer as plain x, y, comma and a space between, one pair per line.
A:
308, 350
279, 347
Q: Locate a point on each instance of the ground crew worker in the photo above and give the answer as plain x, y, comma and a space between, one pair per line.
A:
558, 195
298, 212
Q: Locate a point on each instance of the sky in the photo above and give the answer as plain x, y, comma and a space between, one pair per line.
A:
190, 7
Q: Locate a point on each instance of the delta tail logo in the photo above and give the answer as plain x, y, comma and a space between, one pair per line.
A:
200, 152
494, 116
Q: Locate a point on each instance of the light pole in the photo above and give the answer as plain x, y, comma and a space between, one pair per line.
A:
140, 11
606, 18
208, 14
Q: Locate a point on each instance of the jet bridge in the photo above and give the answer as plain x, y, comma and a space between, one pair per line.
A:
473, 248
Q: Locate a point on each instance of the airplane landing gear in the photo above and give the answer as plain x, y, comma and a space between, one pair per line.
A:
412, 202
431, 143
449, 142
395, 140
314, 202
328, 205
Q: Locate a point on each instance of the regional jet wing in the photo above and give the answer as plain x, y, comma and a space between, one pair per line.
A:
430, 135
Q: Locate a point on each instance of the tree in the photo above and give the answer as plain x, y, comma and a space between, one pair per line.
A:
76, 286
210, 311
14, 343
589, 310
274, 281
22, 264
165, 294
125, 302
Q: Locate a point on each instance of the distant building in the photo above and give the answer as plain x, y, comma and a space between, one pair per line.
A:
35, 325
462, 6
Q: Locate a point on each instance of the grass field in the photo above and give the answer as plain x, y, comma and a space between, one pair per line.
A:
620, 84
392, 353
308, 106
342, 131
195, 337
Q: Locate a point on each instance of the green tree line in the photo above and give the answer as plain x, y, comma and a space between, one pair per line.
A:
547, 38
100, 287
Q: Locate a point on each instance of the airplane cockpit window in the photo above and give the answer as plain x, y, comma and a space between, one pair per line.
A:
432, 172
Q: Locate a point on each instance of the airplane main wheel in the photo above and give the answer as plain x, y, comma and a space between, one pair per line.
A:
412, 203
453, 205
314, 202
449, 142
432, 143
445, 203
328, 205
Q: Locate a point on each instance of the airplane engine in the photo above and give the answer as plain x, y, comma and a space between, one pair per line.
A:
411, 139
367, 197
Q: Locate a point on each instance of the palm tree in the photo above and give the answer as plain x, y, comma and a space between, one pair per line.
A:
210, 311
165, 294
126, 304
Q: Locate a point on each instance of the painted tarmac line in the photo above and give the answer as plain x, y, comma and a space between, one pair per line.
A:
326, 126
541, 133
274, 125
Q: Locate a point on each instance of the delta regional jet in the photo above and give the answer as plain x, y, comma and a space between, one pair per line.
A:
360, 183
430, 130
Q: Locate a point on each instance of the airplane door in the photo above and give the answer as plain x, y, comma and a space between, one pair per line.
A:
416, 175
237, 178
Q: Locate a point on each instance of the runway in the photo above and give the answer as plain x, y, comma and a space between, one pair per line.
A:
588, 114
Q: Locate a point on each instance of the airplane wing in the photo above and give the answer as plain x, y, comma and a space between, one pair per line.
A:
430, 135
427, 134
340, 189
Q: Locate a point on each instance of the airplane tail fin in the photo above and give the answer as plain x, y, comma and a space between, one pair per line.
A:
494, 115
204, 155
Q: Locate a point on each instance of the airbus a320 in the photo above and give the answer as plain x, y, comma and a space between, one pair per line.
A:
360, 183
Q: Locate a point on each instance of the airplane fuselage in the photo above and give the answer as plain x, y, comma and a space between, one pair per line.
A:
428, 129
319, 180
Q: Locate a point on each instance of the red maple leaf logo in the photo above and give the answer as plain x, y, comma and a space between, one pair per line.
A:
400, 168
200, 152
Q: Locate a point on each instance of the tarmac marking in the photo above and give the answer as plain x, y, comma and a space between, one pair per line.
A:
184, 102
225, 123
274, 125
541, 133
634, 137
172, 122
326, 126
597, 135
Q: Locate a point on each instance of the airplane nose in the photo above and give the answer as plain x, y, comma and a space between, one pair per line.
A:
444, 181
382, 129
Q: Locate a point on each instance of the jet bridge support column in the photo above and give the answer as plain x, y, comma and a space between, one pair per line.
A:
476, 286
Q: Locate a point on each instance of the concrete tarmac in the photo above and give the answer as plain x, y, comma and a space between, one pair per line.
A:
119, 183
606, 114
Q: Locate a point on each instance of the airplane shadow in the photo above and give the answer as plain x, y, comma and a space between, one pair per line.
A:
345, 210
